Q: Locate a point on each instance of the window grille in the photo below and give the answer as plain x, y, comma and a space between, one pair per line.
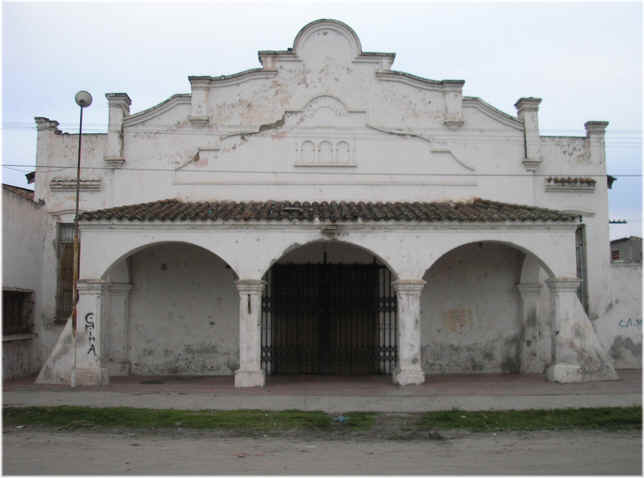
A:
65, 271
16, 312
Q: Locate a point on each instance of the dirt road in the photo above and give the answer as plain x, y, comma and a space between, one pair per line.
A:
35, 452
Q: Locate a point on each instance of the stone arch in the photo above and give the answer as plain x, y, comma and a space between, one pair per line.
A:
100, 264
287, 250
535, 260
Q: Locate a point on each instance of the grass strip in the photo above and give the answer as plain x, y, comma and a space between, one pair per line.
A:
71, 417
614, 418
240, 420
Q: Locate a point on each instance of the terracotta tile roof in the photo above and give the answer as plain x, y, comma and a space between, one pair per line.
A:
22, 192
477, 210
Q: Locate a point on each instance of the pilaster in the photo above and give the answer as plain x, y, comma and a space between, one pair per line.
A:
88, 368
250, 373
528, 114
453, 94
534, 348
409, 370
46, 129
199, 100
119, 108
117, 331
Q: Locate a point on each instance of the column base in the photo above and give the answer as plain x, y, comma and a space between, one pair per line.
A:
250, 378
408, 377
564, 373
86, 377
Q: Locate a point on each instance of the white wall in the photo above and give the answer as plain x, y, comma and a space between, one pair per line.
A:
471, 311
23, 232
22, 241
183, 313
620, 327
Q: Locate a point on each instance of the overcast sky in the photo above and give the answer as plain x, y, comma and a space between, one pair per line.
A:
583, 59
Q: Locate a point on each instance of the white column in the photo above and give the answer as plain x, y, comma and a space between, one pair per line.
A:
88, 368
534, 347
250, 373
565, 365
117, 327
409, 370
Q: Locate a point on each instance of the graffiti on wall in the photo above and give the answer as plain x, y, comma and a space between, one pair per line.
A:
628, 323
90, 327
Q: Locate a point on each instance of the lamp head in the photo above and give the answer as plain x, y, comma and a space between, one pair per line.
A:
83, 98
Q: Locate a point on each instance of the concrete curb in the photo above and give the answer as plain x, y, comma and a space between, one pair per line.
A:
327, 403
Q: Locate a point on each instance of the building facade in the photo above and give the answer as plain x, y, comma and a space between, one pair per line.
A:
325, 214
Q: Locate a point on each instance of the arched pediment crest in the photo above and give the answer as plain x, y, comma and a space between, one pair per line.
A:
327, 37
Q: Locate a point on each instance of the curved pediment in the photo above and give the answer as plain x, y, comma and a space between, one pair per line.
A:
327, 38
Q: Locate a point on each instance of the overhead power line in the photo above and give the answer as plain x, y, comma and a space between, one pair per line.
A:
322, 173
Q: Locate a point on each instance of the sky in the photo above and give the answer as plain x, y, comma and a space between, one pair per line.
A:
584, 59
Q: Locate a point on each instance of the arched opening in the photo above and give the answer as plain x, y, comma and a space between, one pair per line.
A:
329, 308
171, 308
472, 313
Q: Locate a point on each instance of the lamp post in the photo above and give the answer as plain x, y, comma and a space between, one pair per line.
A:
83, 99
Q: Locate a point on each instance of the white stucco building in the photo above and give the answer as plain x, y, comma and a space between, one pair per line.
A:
326, 214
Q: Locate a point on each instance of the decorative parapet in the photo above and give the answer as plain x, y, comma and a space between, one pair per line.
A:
69, 184
43, 124
569, 184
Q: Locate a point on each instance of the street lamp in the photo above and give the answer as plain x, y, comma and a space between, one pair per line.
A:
83, 99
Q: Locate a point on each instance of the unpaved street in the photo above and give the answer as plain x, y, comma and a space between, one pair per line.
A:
572, 452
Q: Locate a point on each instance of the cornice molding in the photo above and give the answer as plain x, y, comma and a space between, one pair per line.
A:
492, 112
156, 110
286, 226
234, 79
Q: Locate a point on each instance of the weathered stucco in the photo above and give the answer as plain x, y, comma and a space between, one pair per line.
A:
621, 329
183, 316
471, 311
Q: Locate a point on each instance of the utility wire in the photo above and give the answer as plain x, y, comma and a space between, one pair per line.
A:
322, 173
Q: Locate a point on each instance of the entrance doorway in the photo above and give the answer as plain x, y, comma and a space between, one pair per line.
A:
329, 319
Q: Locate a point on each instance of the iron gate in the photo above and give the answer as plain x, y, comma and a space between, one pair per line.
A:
329, 319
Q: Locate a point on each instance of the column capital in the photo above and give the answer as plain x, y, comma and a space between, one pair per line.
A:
527, 289
595, 127
43, 124
121, 100
250, 286
563, 284
408, 286
91, 286
527, 104
119, 288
